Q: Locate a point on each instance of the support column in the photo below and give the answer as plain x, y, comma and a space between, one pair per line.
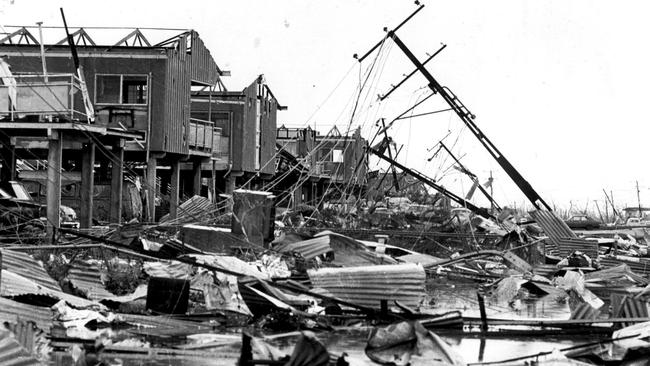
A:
230, 183
151, 189
87, 185
196, 172
8, 162
54, 160
175, 189
116, 183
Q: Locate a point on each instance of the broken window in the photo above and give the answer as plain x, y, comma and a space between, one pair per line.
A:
337, 155
121, 89
134, 89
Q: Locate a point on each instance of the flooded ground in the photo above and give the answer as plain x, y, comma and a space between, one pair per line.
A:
443, 296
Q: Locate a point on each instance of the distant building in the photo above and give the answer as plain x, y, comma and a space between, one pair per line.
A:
333, 166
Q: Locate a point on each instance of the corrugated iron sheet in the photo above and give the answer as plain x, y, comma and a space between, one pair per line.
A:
566, 246
164, 325
369, 285
545, 270
616, 274
14, 285
86, 277
12, 353
24, 265
173, 269
347, 251
33, 339
203, 68
309, 248
14, 312
632, 308
554, 227
195, 209
638, 265
584, 311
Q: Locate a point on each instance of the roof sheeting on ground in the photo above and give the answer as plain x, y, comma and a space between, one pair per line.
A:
14, 312
554, 227
22, 264
368, 285
195, 209
12, 353
347, 251
14, 285
86, 278
171, 269
232, 264
566, 246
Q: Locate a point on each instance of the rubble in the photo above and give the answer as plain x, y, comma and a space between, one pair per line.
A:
272, 253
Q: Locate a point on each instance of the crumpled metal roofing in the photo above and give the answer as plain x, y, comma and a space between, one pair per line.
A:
640, 266
139, 293
231, 263
552, 225
347, 251
566, 246
86, 277
172, 269
368, 285
16, 285
14, 312
12, 353
619, 274
628, 307
194, 209
164, 324
24, 265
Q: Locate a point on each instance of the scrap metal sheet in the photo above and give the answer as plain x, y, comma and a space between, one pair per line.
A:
368, 285
22, 264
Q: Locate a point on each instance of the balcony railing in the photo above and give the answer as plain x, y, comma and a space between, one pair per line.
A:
334, 170
51, 97
201, 134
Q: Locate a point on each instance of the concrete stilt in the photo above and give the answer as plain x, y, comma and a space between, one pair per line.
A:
54, 160
116, 183
152, 164
175, 189
196, 173
87, 185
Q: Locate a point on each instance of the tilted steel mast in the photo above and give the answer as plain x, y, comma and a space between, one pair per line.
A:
467, 118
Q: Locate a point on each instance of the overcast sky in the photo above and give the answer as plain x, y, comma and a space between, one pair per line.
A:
560, 87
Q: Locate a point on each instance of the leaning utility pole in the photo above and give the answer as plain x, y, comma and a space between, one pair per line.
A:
638, 199
466, 117
431, 183
473, 177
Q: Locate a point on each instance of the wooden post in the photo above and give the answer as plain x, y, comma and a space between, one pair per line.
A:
54, 160
196, 172
481, 306
87, 183
116, 183
175, 189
